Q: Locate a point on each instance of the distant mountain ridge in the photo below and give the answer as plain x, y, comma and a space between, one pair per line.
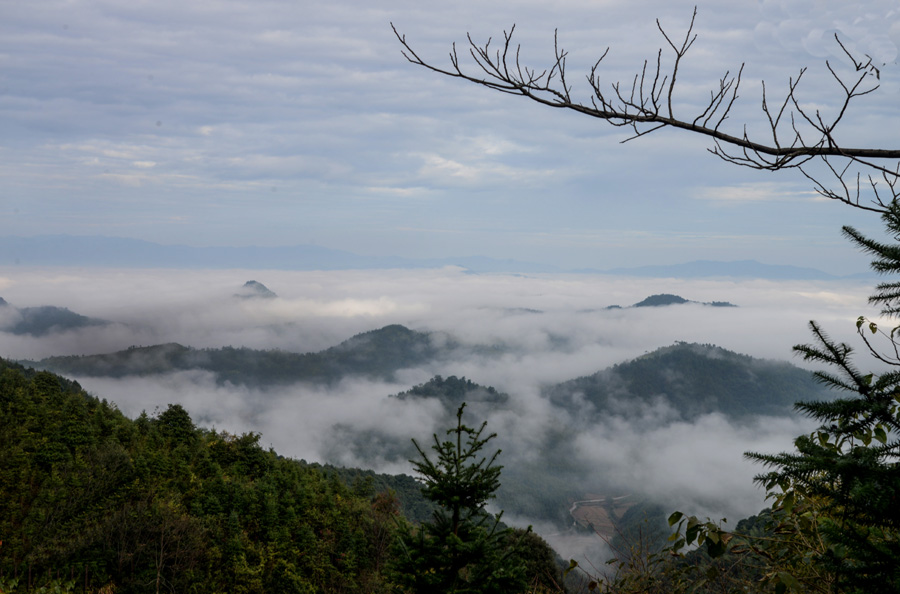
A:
693, 378
378, 354
66, 250
100, 251
736, 268
42, 320
671, 385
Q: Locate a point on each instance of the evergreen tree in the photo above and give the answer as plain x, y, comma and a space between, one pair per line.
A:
851, 464
463, 549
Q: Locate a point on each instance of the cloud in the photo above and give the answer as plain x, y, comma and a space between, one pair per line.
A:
552, 327
791, 25
755, 192
697, 466
319, 309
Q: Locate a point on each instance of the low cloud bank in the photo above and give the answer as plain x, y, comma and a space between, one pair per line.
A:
551, 328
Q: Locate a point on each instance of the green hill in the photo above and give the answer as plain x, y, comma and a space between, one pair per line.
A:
693, 379
453, 391
688, 379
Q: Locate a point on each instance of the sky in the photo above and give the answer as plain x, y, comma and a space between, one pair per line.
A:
265, 122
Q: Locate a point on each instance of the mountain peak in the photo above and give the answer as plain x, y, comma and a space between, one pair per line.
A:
661, 299
669, 299
255, 290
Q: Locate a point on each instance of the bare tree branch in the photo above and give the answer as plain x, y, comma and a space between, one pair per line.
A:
798, 136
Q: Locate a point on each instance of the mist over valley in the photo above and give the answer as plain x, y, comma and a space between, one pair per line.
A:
596, 386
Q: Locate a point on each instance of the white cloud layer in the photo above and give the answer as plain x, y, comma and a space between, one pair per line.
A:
554, 327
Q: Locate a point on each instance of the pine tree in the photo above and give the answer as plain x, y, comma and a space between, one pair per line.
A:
851, 463
463, 549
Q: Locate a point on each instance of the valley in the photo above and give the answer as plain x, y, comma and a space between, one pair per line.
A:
604, 415
659, 390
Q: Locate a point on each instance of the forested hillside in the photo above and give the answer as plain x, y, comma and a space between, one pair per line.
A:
92, 499
156, 504
692, 379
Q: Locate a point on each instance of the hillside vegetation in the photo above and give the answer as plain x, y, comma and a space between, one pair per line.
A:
156, 504
94, 500
693, 379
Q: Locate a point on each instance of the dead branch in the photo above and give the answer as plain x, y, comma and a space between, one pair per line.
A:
798, 136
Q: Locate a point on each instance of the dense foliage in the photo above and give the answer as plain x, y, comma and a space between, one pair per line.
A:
156, 504
92, 500
850, 467
408, 490
452, 391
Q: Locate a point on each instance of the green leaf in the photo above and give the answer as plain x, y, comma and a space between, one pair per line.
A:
788, 501
692, 528
789, 581
673, 519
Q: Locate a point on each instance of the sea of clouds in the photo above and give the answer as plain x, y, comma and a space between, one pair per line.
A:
553, 328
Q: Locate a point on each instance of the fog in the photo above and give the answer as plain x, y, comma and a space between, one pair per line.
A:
316, 310
554, 328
